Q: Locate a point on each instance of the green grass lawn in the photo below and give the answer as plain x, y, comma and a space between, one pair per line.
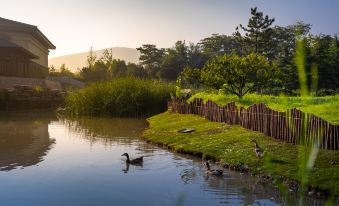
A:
231, 144
326, 107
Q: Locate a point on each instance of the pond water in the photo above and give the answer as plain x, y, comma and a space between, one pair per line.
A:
49, 161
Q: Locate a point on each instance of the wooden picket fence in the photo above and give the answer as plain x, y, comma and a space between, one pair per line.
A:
292, 126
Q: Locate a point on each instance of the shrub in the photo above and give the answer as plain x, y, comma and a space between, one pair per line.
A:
128, 96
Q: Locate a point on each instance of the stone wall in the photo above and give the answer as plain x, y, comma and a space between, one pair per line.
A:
67, 82
28, 97
10, 82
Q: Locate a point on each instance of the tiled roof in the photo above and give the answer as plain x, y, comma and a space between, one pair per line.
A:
7, 25
8, 22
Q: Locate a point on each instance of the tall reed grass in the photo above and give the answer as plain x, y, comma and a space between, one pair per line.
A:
128, 96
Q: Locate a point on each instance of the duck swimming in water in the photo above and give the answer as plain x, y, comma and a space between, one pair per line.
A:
258, 151
209, 171
138, 160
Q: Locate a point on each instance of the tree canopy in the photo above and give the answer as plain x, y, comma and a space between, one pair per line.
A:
238, 75
260, 42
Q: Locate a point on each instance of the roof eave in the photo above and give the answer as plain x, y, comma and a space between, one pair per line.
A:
49, 44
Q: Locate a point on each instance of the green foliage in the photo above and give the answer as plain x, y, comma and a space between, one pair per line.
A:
238, 75
62, 71
106, 68
120, 97
150, 58
276, 43
191, 77
231, 144
174, 61
91, 58
326, 107
258, 33
38, 89
168, 64
220, 44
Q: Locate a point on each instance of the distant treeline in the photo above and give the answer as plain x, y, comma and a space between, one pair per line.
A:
275, 46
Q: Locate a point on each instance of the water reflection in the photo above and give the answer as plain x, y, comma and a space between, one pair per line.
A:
85, 167
233, 188
126, 168
107, 131
127, 165
24, 140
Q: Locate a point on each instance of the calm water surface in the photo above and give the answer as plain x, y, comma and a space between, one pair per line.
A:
50, 161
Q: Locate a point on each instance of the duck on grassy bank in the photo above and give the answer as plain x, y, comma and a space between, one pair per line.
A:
209, 171
138, 160
258, 151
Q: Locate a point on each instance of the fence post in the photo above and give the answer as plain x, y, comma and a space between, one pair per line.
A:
292, 126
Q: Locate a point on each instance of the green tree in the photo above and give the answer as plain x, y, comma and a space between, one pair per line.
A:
258, 33
91, 58
108, 60
323, 56
190, 77
52, 70
220, 44
96, 69
238, 75
135, 70
151, 58
174, 61
284, 51
62, 71
196, 58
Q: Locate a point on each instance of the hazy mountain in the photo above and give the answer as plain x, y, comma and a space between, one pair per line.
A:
74, 61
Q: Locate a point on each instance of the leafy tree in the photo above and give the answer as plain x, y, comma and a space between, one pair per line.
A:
220, 44
284, 45
237, 75
257, 34
98, 72
151, 58
191, 77
62, 71
91, 58
52, 69
174, 61
323, 56
196, 58
108, 60
135, 70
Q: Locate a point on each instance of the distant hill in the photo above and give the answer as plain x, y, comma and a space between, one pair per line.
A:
74, 61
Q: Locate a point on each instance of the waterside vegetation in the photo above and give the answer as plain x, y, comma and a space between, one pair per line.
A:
231, 145
127, 96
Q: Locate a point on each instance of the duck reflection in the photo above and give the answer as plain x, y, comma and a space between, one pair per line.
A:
234, 188
126, 169
24, 141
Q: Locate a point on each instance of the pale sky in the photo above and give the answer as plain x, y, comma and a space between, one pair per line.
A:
75, 25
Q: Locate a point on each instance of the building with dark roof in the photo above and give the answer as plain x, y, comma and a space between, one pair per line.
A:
24, 50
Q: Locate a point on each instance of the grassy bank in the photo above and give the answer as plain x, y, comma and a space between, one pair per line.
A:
120, 97
231, 145
325, 107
